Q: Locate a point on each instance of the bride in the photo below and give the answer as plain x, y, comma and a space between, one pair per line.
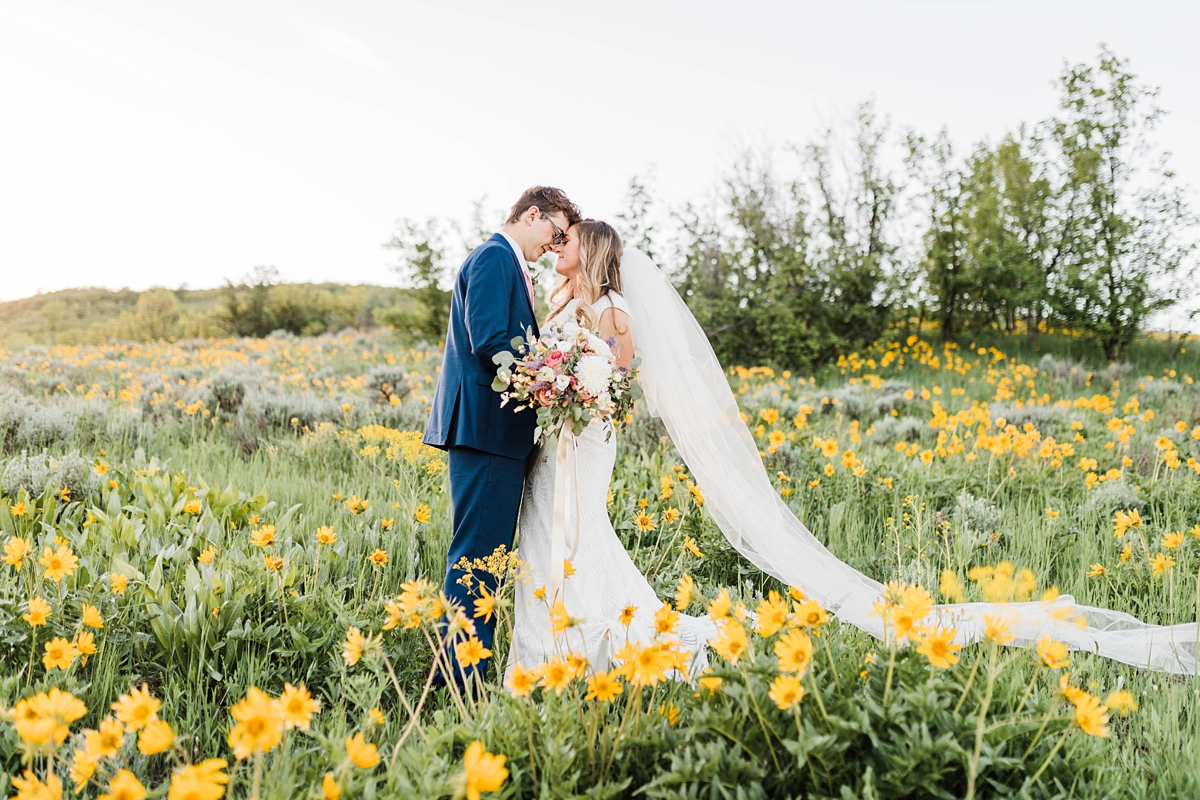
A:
623, 294
605, 593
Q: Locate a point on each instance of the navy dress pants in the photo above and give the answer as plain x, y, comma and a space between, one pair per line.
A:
485, 492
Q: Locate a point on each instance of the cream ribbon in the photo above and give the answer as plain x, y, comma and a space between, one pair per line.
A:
566, 484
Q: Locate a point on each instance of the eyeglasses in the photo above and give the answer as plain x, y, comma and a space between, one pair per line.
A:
560, 236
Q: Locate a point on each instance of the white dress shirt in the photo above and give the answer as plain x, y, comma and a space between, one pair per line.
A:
516, 248
520, 260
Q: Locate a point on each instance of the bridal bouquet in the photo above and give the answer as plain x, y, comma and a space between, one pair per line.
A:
569, 376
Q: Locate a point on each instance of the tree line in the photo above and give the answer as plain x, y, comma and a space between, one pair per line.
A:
1075, 221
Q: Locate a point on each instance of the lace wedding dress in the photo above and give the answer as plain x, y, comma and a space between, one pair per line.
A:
605, 580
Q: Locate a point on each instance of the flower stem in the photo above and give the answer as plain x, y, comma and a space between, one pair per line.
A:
973, 773
1049, 757
970, 681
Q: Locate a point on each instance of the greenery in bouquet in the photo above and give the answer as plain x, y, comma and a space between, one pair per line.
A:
570, 377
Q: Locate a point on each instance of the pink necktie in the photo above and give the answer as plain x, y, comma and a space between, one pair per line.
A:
529, 286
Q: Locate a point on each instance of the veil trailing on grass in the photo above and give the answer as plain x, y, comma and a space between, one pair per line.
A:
686, 387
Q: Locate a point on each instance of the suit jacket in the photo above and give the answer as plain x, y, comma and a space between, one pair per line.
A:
488, 308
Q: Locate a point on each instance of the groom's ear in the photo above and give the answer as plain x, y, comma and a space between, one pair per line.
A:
531, 214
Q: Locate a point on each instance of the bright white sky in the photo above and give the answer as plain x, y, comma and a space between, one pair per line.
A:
153, 143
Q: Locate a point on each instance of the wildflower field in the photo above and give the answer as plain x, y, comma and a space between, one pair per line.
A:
221, 564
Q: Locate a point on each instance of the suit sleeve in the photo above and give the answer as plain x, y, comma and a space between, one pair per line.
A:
490, 282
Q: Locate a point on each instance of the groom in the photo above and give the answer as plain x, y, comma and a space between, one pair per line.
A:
487, 445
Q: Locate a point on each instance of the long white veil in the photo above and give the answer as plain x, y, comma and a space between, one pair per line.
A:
686, 387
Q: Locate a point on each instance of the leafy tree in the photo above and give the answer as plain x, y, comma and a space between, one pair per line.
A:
1125, 253
422, 267
855, 247
636, 223
745, 274
1014, 242
951, 282
989, 241
789, 272
246, 305
157, 314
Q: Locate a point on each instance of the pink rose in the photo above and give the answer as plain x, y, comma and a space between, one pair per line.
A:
546, 396
554, 358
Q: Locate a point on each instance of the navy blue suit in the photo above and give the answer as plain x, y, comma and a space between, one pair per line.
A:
487, 445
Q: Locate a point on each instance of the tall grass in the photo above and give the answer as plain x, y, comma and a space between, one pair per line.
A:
300, 453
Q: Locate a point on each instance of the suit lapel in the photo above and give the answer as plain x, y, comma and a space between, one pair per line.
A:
520, 277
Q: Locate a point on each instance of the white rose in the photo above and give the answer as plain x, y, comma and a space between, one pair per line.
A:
599, 346
562, 382
593, 374
545, 374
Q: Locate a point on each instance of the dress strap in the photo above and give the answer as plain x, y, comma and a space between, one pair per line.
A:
612, 300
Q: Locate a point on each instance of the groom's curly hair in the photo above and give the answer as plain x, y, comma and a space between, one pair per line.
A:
549, 200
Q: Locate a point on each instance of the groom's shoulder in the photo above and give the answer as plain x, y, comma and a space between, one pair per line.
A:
493, 250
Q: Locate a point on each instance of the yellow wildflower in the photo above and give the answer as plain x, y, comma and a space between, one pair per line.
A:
794, 651
1121, 701
364, 754
520, 681
354, 646
938, 647
124, 786
155, 738
666, 619
603, 686
483, 771
91, 616
1052, 653
59, 563
39, 612
786, 691
263, 536
996, 629
259, 725
15, 550
59, 652
731, 642
1090, 716
297, 706
1161, 563
683, 592
471, 652
137, 709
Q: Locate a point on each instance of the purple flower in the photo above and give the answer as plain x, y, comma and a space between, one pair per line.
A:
538, 386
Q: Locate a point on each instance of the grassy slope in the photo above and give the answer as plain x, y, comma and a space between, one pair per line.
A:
90, 315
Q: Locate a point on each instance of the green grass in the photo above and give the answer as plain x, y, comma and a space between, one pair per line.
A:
896, 739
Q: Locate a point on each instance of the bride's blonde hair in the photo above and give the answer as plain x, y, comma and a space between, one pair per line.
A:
599, 271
